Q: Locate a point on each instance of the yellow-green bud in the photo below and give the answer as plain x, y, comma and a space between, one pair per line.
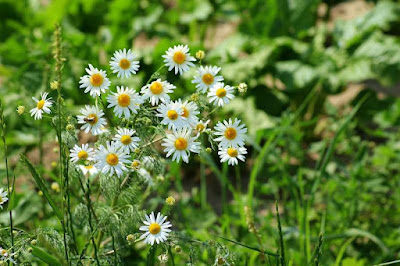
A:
54, 85
130, 238
21, 109
33, 242
208, 150
55, 186
170, 201
30, 250
70, 127
53, 164
40, 193
242, 87
200, 54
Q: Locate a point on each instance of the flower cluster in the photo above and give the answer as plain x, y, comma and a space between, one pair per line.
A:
179, 119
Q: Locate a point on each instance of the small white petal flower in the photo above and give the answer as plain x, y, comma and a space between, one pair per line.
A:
206, 77
123, 63
3, 197
230, 134
88, 169
232, 155
190, 112
201, 126
125, 139
42, 105
171, 114
156, 229
220, 94
96, 82
83, 153
178, 58
111, 159
93, 120
125, 100
180, 143
157, 91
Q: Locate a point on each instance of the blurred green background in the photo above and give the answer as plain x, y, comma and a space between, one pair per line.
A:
336, 52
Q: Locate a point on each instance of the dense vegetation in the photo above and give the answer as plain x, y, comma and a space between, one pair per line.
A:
323, 133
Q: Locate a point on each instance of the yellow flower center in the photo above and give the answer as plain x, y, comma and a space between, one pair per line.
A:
230, 133
208, 79
92, 119
154, 228
1, 199
185, 112
124, 100
172, 114
156, 87
124, 64
135, 164
96, 80
83, 155
179, 57
232, 152
3, 252
126, 139
112, 159
181, 144
200, 127
221, 261
89, 167
40, 104
221, 93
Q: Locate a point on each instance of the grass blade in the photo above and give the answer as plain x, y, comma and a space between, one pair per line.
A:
281, 244
44, 256
42, 186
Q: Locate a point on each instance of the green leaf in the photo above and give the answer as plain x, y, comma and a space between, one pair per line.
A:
42, 186
44, 256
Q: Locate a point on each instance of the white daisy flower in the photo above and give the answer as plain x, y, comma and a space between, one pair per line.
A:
42, 105
93, 120
96, 82
125, 100
220, 94
201, 126
3, 197
145, 174
112, 159
180, 143
171, 114
83, 153
232, 155
230, 134
157, 91
88, 169
123, 63
206, 77
4, 254
125, 139
156, 229
178, 58
190, 112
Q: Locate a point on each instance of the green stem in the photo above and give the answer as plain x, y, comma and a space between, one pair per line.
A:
282, 247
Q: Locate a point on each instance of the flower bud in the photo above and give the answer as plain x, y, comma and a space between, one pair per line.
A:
208, 150
170, 201
29, 250
130, 238
54, 85
55, 186
242, 87
70, 127
33, 242
21, 109
178, 249
200, 54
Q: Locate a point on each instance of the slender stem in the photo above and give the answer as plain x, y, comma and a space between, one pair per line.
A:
282, 247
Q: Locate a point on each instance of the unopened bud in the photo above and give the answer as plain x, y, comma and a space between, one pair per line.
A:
34, 242
55, 186
200, 54
54, 85
130, 238
70, 127
178, 249
208, 150
21, 109
242, 87
170, 201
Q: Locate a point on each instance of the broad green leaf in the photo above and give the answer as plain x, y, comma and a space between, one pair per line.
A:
44, 256
42, 186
